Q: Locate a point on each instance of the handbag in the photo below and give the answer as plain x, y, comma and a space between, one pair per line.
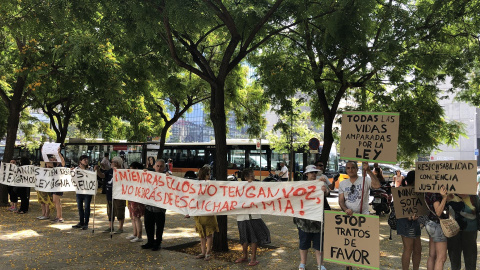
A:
449, 226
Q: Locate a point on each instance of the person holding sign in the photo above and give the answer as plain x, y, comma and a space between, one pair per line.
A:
251, 228
466, 209
309, 230
409, 230
137, 210
83, 199
353, 192
438, 241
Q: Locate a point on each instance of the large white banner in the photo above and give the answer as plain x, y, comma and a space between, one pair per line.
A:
302, 199
49, 179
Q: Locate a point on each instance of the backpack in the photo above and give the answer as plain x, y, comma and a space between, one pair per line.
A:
392, 220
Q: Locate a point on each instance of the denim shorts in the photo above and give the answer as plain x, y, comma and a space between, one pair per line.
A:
408, 228
434, 230
306, 240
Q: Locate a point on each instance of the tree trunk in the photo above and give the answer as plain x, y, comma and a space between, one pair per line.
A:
217, 115
12, 127
327, 138
64, 130
163, 138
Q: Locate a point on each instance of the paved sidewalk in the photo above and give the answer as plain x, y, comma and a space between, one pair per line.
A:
28, 243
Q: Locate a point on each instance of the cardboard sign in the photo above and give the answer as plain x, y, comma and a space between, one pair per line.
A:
50, 152
407, 202
202, 198
458, 176
370, 136
8, 173
352, 240
85, 182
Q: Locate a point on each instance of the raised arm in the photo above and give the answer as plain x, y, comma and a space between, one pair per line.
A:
375, 182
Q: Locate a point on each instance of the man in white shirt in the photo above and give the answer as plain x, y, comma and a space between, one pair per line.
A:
283, 171
350, 190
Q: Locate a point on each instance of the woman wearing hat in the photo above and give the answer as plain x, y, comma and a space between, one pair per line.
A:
309, 230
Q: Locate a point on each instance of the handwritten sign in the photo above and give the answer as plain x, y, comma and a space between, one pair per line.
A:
407, 202
370, 136
50, 152
458, 176
352, 240
85, 182
199, 198
8, 173
54, 180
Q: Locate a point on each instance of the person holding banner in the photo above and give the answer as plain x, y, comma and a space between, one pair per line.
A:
437, 254
115, 208
155, 217
251, 228
12, 191
83, 199
309, 230
24, 192
409, 230
350, 196
57, 195
137, 210
45, 199
205, 225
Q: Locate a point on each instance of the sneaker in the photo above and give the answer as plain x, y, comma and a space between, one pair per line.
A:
58, 220
136, 239
78, 226
84, 227
40, 217
321, 267
130, 237
107, 230
147, 246
43, 218
13, 209
118, 231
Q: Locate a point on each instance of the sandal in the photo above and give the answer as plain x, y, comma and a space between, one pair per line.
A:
253, 263
200, 256
241, 260
21, 212
208, 257
301, 266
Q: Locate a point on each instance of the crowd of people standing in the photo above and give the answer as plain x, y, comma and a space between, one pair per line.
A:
352, 198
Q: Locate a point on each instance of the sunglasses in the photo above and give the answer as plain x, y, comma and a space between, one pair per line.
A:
352, 188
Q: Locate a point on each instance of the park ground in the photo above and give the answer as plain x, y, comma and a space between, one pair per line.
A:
28, 243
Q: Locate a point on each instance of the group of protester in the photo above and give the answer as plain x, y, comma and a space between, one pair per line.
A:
353, 198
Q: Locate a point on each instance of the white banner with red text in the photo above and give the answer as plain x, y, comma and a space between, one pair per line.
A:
302, 199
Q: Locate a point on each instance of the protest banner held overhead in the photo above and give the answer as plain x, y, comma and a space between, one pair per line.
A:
407, 202
458, 176
199, 198
50, 152
352, 240
370, 136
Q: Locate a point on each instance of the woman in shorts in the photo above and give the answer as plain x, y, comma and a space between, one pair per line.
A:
437, 254
409, 230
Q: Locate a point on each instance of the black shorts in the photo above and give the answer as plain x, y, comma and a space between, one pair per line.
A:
58, 193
